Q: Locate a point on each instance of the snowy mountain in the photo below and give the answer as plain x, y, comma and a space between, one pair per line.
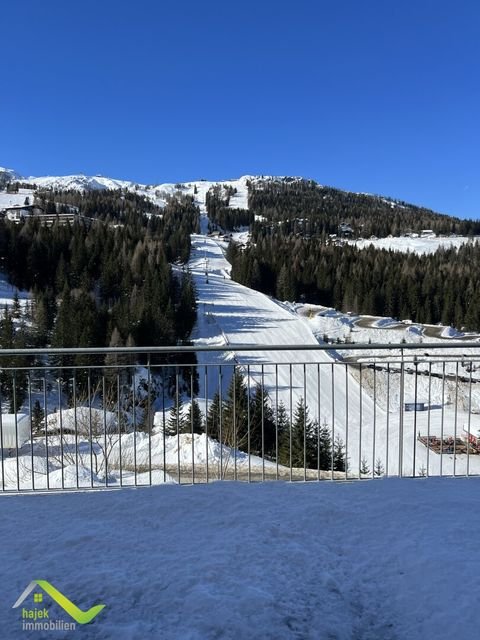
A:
331, 209
80, 183
8, 175
159, 192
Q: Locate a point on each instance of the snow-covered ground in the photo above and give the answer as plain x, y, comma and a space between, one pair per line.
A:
85, 449
331, 325
15, 199
414, 245
376, 560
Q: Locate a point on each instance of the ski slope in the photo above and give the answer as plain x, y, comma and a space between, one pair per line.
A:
232, 314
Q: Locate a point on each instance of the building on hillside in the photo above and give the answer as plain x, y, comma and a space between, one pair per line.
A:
19, 212
345, 229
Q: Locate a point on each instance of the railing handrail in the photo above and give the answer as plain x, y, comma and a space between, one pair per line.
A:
424, 346
117, 423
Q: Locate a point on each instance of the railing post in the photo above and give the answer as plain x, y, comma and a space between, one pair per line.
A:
400, 425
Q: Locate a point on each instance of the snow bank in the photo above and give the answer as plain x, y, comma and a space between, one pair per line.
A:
450, 332
26, 472
385, 322
85, 477
79, 420
182, 449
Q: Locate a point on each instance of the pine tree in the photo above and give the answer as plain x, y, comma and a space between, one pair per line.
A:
285, 285
378, 469
176, 422
262, 423
40, 320
324, 447
16, 305
235, 431
283, 427
194, 421
38, 415
364, 468
212, 426
14, 382
339, 462
187, 308
304, 445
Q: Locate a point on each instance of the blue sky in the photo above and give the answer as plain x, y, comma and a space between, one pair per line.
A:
376, 96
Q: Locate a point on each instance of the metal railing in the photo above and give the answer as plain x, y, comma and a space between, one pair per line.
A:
92, 418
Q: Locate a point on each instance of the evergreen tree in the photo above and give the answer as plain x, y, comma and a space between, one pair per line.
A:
379, 468
262, 423
235, 432
304, 444
283, 425
212, 426
339, 462
187, 308
364, 468
38, 415
194, 422
16, 305
324, 447
176, 422
285, 284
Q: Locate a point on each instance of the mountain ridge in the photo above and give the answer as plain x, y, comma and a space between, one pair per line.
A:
84, 182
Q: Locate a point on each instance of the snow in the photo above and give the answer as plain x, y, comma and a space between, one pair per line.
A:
82, 419
414, 245
26, 472
80, 182
451, 332
376, 559
15, 199
182, 451
106, 456
73, 476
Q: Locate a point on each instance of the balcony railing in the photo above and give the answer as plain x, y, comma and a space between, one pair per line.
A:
92, 418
